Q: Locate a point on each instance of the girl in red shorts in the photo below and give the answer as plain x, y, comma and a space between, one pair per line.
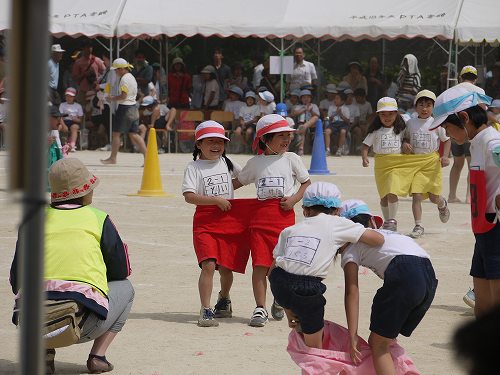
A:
208, 182
276, 174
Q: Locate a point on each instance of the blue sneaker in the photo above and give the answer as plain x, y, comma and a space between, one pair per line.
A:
470, 298
207, 318
223, 307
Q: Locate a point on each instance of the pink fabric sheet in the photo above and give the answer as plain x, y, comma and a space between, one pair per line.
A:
335, 359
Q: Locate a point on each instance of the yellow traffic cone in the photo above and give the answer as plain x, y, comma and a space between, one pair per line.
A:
151, 179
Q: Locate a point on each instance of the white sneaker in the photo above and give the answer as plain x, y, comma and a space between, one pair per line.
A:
106, 148
418, 231
470, 298
345, 150
259, 317
444, 213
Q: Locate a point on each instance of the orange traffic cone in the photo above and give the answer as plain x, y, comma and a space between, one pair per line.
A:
151, 179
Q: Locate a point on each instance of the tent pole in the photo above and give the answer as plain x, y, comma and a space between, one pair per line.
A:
166, 59
282, 55
449, 63
118, 47
110, 111
383, 55
318, 91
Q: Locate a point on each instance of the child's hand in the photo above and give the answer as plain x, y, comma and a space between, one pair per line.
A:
407, 149
287, 203
445, 161
366, 162
353, 350
223, 204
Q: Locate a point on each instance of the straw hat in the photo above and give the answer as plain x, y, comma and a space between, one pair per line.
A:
70, 179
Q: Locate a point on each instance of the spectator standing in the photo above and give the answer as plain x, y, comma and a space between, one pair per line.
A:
258, 67
355, 77
222, 72
159, 82
237, 78
408, 81
211, 88
492, 86
86, 71
179, 84
376, 82
304, 72
143, 72
55, 59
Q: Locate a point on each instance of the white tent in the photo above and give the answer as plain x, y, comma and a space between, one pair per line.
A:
363, 19
479, 22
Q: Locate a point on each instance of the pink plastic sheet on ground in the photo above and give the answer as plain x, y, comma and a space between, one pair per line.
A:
336, 359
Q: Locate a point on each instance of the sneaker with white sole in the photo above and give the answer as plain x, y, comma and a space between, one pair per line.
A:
106, 148
391, 225
470, 298
277, 312
444, 213
259, 317
338, 152
207, 318
418, 231
223, 307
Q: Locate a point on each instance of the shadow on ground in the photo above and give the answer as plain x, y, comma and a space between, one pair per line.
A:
182, 317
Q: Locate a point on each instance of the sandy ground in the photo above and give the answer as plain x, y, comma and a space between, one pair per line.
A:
161, 336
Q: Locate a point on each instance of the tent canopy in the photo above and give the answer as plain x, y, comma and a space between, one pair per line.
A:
478, 22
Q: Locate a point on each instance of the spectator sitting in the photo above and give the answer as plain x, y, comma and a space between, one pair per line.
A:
266, 103
211, 93
233, 103
307, 114
237, 78
293, 100
142, 71
155, 115
354, 114
73, 120
358, 133
331, 91
270, 82
339, 123
248, 116
355, 77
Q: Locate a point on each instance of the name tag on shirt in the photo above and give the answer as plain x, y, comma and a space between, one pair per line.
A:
389, 141
422, 141
217, 184
301, 249
271, 187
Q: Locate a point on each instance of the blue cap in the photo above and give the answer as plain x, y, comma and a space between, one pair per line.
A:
281, 109
295, 92
250, 94
305, 92
147, 101
235, 89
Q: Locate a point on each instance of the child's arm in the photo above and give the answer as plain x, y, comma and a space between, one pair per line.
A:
237, 184
372, 238
364, 155
210, 98
446, 151
154, 116
203, 200
287, 203
351, 302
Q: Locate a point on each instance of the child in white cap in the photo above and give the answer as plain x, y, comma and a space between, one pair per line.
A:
407, 293
266, 103
73, 121
385, 135
461, 114
307, 114
248, 117
208, 180
304, 254
427, 181
275, 173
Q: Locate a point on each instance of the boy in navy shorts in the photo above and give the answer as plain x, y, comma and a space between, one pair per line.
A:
339, 124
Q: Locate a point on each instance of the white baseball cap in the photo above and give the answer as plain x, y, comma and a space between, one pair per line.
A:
355, 207
331, 88
210, 129
270, 124
454, 100
267, 96
322, 194
71, 91
387, 104
495, 103
425, 94
120, 63
147, 101
57, 48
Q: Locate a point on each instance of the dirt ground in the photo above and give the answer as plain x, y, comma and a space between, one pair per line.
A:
161, 336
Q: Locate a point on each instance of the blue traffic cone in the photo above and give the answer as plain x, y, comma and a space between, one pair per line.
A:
318, 160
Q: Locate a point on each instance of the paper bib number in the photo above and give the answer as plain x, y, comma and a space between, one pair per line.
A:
271, 187
301, 249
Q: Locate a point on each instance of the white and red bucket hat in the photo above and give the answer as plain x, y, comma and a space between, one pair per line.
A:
210, 129
270, 124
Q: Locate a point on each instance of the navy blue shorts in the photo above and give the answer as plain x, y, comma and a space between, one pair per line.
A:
460, 150
126, 119
337, 126
486, 258
400, 304
301, 294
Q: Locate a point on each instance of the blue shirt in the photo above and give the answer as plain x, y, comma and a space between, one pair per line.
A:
53, 74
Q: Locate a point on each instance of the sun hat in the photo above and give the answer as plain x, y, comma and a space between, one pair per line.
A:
270, 124
236, 90
305, 92
331, 88
71, 91
209, 69
147, 101
70, 179
295, 92
425, 94
54, 112
355, 207
343, 85
354, 63
120, 63
57, 48
267, 96
210, 129
454, 100
178, 60
322, 194
348, 91
387, 104
250, 94
468, 69
495, 103
281, 109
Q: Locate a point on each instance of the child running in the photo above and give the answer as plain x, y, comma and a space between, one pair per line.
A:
459, 111
407, 293
304, 253
418, 139
275, 173
385, 134
208, 181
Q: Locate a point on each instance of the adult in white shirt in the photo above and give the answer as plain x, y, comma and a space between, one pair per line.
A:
304, 72
126, 119
53, 64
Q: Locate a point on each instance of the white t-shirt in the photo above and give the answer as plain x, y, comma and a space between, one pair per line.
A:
210, 178
333, 113
306, 116
303, 74
470, 87
163, 111
308, 248
378, 258
3, 112
73, 110
267, 109
274, 175
384, 141
248, 113
233, 106
365, 110
211, 86
325, 104
353, 111
481, 158
128, 84
423, 140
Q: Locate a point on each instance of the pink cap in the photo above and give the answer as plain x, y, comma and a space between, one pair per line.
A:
70, 91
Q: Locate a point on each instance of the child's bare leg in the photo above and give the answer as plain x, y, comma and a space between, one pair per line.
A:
115, 146
142, 131
456, 168
382, 360
328, 136
315, 340
342, 136
206, 281
385, 208
138, 142
467, 195
416, 206
259, 284
170, 118
226, 281
73, 134
392, 205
